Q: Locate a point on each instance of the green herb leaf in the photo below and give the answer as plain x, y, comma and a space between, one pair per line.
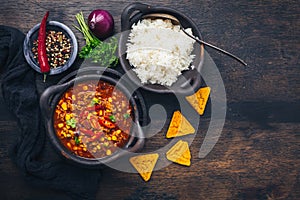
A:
112, 118
104, 53
71, 122
126, 115
95, 101
77, 141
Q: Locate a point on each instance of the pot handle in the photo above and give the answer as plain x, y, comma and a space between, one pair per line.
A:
193, 84
46, 99
128, 11
139, 134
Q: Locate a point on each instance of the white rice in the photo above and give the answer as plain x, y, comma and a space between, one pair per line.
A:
159, 51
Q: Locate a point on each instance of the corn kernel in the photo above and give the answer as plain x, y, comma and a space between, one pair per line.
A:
63, 134
60, 125
73, 97
68, 116
85, 87
95, 99
89, 116
64, 106
108, 152
114, 138
66, 95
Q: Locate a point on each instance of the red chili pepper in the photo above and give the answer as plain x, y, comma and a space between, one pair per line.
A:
95, 108
106, 123
99, 107
42, 52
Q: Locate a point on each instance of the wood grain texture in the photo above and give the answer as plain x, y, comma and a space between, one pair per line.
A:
257, 155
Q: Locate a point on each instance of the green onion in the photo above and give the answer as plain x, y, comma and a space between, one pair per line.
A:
126, 115
112, 118
71, 122
77, 141
95, 101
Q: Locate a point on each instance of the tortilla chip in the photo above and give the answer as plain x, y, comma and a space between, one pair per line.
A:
180, 153
199, 99
144, 164
179, 126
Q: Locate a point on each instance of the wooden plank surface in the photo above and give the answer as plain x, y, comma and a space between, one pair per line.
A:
257, 155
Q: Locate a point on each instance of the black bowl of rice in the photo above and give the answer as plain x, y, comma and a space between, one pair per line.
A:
156, 55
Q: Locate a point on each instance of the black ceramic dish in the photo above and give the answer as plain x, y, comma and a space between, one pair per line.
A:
33, 34
52, 95
190, 80
101, 71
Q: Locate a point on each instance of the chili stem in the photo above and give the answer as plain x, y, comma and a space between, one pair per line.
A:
45, 76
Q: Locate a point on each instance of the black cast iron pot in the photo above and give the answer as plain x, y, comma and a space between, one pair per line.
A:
52, 95
190, 80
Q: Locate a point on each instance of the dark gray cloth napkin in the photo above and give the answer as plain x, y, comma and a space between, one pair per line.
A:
22, 98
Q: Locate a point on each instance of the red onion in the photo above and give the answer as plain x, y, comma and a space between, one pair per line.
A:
101, 23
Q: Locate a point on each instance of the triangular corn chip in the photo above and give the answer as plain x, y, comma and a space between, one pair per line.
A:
180, 153
179, 126
144, 164
199, 99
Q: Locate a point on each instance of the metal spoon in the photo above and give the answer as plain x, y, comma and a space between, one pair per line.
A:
175, 21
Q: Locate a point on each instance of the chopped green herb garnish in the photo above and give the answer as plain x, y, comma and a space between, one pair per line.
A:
71, 122
77, 141
112, 118
126, 115
104, 53
95, 101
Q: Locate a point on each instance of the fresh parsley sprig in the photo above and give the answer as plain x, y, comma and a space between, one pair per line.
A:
71, 122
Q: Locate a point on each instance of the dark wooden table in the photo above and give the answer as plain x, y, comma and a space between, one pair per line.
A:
257, 155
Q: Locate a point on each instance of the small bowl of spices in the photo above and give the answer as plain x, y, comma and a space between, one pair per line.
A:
61, 47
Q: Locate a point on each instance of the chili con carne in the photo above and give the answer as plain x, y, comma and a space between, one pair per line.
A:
89, 119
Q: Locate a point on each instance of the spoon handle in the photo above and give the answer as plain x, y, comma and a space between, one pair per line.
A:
214, 47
